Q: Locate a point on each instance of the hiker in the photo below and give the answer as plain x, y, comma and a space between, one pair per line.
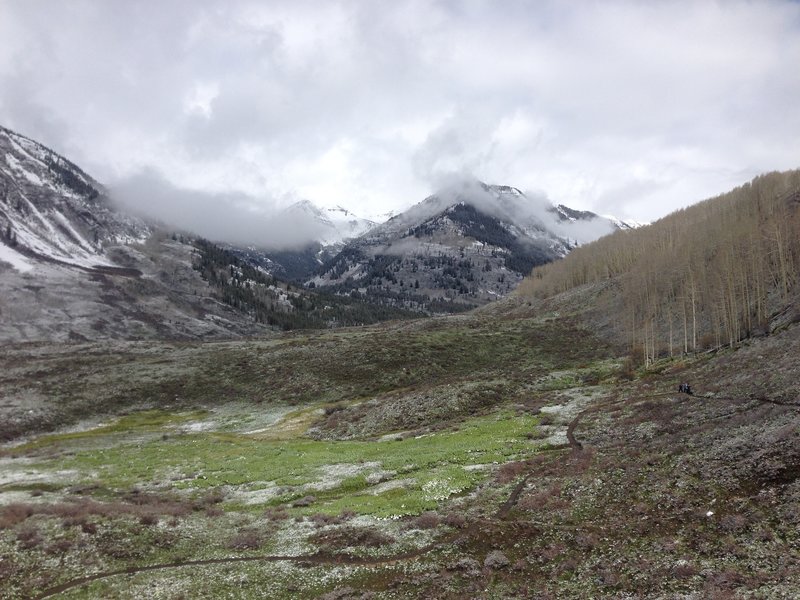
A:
685, 388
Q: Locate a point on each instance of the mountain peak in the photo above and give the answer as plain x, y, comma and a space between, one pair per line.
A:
467, 244
327, 226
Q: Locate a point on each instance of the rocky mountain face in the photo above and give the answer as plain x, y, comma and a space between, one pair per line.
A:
329, 227
460, 248
50, 210
72, 267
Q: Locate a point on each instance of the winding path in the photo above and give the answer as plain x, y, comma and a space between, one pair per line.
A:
315, 559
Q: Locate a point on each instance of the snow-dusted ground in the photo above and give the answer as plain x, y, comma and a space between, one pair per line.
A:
573, 402
15, 259
41, 301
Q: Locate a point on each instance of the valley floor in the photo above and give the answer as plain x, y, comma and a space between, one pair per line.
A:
464, 457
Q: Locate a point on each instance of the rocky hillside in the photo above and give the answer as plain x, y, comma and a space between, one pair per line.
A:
72, 267
50, 210
463, 247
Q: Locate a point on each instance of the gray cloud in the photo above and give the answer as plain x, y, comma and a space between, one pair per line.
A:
618, 107
230, 217
532, 209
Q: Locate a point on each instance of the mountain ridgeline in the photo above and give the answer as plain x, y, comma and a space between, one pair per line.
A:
459, 249
709, 275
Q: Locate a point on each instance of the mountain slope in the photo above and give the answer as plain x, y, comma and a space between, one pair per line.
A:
460, 248
51, 210
72, 267
713, 274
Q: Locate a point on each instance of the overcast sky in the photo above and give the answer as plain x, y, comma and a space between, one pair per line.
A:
625, 108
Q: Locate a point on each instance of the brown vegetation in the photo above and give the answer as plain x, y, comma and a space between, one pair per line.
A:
705, 276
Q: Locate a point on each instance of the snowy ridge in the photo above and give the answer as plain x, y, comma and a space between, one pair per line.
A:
468, 244
560, 227
625, 223
327, 226
51, 210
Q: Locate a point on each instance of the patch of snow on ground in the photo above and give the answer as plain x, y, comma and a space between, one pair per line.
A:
261, 496
577, 400
79, 239
195, 426
34, 476
440, 489
391, 485
15, 259
333, 475
17, 166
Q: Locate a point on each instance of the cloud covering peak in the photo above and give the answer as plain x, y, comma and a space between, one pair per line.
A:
619, 107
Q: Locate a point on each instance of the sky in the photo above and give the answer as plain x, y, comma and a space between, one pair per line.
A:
627, 108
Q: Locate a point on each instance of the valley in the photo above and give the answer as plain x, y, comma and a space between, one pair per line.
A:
504, 453
394, 301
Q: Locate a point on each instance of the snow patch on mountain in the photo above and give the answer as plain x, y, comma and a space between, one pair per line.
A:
51, 210
15, 259
328, 226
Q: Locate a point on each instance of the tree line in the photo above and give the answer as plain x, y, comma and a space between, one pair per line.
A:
705, 276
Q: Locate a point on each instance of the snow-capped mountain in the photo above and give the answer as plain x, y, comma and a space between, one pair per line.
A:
320, 233
50, 210
74, 268
461, 247
327, 226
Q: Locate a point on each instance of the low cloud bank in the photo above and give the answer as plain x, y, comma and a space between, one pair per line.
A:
232, 217
533, 209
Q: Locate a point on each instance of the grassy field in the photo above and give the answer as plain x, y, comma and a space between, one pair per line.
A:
470, 456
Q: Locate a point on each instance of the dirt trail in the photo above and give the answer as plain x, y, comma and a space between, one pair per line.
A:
315, 559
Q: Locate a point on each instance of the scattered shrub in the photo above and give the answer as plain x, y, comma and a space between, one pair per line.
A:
148, 520
496, 560
58, 547
684, 571
28, 538
455, 520
351, 536
305, 501
427, 520
246, 539
509, 471
88, 527
276, 513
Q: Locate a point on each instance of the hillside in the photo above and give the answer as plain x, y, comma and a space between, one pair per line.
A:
710, 275
464, 456
267, 300
50, 210
465, 246
73, 266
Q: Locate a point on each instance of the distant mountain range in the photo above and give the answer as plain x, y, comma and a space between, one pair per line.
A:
73, 266
462, 247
